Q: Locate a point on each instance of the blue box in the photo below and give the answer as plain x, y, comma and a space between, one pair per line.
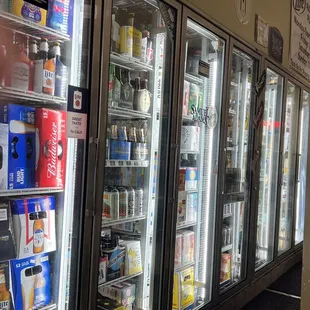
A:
31, 282
21, 141
120, 150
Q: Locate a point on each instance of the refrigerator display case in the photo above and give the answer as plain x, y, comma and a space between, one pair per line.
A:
235, 214
269, 165
302, 166
288, 172
42, 160
198, 170
135, 123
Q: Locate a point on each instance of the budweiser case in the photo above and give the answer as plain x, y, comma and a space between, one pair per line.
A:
51, 148
34, 225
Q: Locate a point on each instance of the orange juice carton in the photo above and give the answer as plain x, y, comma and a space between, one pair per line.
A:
133, 259
188, 247
184, 290
181, 217
191, 207
178, 250
34, 225
28, 11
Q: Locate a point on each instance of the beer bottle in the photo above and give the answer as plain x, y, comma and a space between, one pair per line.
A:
5, 296
60, 74
38, 229
33, 50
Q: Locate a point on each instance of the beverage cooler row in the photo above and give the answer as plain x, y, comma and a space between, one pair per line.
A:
140, 149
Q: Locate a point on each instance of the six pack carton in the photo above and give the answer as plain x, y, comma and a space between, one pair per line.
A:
21, 142
7, 243
51, 148
31, 282
28, 11
34, 225
183, 290
6, 300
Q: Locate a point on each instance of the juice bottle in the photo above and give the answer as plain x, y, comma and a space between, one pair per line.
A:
21, 64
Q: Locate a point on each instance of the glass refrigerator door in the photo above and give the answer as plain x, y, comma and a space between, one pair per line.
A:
269, 165
237, 177
288, 168
302, 167
142, 41
199, 149
42, 161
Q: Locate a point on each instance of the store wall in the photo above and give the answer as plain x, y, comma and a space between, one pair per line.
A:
275, 12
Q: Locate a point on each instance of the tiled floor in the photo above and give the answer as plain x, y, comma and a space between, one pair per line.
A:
284, 294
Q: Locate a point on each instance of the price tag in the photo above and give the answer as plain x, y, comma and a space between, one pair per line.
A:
128, 163
120, 163
136, 163
112, 163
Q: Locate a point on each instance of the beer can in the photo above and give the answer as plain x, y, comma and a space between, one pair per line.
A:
228, 239
224, 236
110, 199
131, 201
123, 202
115, 204
139, 201
133, 134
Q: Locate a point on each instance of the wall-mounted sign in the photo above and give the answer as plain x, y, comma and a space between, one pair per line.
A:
261, 31
300, 37
243, 10
275, 46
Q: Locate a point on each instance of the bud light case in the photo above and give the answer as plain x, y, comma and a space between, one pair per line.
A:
34, 225
51, 146
31, 282
6, 301
60, 15
21, 143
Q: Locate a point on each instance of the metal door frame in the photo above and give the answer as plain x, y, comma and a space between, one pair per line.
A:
257, 67
95, 181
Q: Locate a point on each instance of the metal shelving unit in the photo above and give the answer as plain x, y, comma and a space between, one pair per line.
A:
126, 163
118, 280
127, 113
30, 191
129, 63
108, 223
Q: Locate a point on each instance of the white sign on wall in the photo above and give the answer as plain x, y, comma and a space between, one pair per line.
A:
300, 37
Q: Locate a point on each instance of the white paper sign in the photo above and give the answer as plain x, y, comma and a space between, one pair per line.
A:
300, 37
76, 125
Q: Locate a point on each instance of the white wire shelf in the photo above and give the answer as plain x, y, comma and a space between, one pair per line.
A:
182, 267
227, 247
193, 78
30, 28
186, 225
48, 307
189, 152
126, 163
118, 280
30, 96
129, 63
30, 191
108, 223
127, 113
227, 215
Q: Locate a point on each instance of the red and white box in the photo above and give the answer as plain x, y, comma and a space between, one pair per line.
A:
51, 145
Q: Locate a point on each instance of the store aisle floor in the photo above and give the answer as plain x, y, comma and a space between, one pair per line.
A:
282, 294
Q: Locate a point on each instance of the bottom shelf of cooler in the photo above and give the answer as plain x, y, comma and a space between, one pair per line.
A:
49, 307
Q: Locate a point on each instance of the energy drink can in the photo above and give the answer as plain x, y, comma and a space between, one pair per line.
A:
139, 202
131, 201
110, 203
123, 202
